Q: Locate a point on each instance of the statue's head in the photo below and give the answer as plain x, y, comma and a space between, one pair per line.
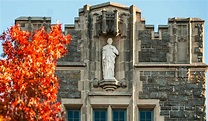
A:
110, 41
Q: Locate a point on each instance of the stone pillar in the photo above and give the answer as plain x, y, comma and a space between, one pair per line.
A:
120, 65
116, 21
104, 25
109, 113
29, 24
132, 21
174, 43
94, 31
132, 41
86, 52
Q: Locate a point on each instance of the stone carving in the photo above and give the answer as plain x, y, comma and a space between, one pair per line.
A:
199, 39
181, 39
110, 21
109, 53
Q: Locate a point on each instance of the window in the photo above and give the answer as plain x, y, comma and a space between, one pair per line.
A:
100, 115
182, 30
22, 24
119, 115
146, 115
73, 115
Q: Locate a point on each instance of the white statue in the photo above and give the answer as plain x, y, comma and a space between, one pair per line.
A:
108, 59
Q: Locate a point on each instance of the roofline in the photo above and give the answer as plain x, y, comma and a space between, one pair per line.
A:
33, 18
178, 19
108, 4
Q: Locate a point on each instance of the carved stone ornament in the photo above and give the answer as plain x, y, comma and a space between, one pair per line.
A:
110, 21
182, 39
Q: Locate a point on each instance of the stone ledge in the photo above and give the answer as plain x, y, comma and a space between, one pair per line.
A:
69, 26
102, 5
70, 64
110, 94
35, 18
149, 26
202, 65
163, 26
109, 84
185, 19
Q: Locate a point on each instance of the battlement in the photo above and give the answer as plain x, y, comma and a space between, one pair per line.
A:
33, 18
175, 19
104, 5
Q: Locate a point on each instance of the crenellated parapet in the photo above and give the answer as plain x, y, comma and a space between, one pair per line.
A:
181, 41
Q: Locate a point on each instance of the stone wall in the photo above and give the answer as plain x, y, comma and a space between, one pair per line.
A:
68, 83
181, 97
198, 43
74, 50
153, 49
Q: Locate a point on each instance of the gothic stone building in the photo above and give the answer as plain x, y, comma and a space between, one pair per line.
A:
159, 76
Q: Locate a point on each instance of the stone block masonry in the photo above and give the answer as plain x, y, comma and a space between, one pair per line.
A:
74, 50
153, 49
181, 99
68, 83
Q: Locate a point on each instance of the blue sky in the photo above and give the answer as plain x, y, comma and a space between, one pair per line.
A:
155, 12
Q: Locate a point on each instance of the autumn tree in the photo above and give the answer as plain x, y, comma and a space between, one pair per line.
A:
28, 86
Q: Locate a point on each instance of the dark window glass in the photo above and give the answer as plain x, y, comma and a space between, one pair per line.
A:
119, 115
73, 115
146, 115
100, 115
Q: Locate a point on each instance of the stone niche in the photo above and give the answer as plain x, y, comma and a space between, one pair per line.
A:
109, 23
119, 73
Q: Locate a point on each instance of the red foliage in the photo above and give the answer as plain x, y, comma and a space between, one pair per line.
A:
28, 86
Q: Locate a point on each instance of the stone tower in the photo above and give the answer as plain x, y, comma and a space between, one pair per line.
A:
160, 76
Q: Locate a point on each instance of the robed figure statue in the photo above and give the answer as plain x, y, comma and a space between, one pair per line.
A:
109, 53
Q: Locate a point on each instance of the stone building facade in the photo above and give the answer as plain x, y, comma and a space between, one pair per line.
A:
160, 76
